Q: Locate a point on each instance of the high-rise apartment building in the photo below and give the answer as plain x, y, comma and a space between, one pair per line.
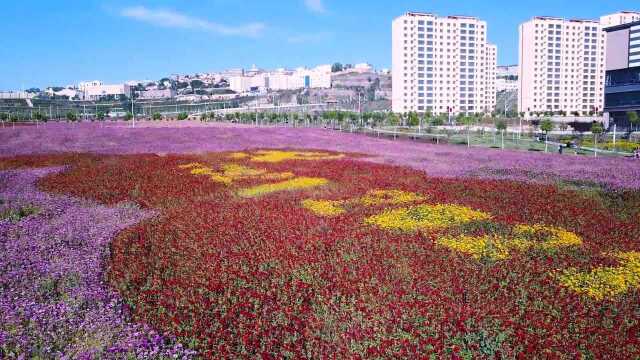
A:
442, 64
562, 66
620, 18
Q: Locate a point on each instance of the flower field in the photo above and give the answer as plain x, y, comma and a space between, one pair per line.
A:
253, 251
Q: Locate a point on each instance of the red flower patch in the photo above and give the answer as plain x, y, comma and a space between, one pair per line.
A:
265, 277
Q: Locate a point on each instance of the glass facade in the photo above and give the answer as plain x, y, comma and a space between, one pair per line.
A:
622, 94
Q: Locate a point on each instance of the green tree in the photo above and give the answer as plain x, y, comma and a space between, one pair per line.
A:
413, 119
40, 116
128, 116
546, 126
634, 119
100, 116
439, 120
393, 119
501, 126
185, 116
337, 67
4, 117
596, 129
467, 121
156, 116
71, 116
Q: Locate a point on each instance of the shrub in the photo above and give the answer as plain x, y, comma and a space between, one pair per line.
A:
156, 116
71, 116
183, 116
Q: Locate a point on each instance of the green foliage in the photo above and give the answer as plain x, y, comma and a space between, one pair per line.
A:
15, 215
337, 67
467, 120
596, 128
128, 116
413, 119
71, 116
634, 119
438, 120
156, 116
40, 116
393, 119
546, 125
101, 115
4, 116
183, 116
501, 125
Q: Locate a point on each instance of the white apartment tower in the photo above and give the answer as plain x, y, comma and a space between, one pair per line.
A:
562, 66
619, 18
442, 64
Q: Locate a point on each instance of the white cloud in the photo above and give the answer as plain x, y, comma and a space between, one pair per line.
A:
172, 19
316, 6
309, 38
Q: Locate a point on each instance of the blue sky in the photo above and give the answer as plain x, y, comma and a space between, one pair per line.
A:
62, 42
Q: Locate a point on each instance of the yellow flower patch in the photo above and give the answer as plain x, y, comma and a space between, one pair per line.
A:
203, 171
232, 172
238, 155
238, 171
426, 217
374, 197
275, 156
392, 197
327, 208
190, 166
277, 176
288, 185
605, 282
552, 238
478, 247
526, 237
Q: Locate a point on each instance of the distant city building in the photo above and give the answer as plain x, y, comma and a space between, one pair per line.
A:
68, 92
282, 79
622, 89
562, 66
507, 78
10, 95
442, 64
258, 82
85, 84
620, 18
103, 91
157, 94
363, 68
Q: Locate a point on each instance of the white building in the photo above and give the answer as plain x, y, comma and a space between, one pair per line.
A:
363, 68
282, 79
85, 84
16, 95
507, 78
562, 66
442, 64
491, 75
157, 94
68, 92
102, 91
619, 18
240, 84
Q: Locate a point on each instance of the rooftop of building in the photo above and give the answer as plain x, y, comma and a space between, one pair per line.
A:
414, 13
622, 26
553, 18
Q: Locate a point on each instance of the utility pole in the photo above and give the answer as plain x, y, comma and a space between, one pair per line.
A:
133, 113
